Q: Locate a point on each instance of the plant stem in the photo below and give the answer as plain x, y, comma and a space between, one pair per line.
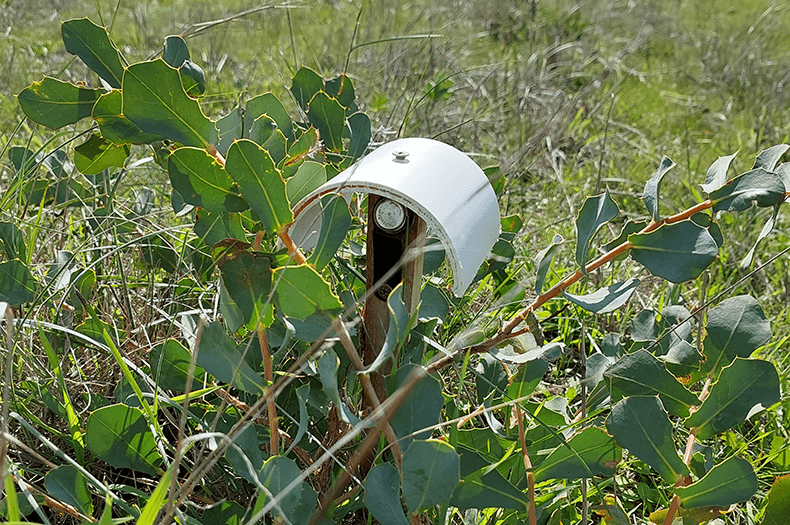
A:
269, 371
508, 331
527, 465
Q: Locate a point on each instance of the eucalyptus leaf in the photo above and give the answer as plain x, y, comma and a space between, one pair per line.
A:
328, 116
92, 44
67, 484
421, 409
97, 154
606, 299
640, 424
308, 177
716, 177
218, 355
398, 329
757, 186
640, 373
359, 124
300, 291
735, 328
176, 51
170, 363
328, 366
543, 261
17, 284
650, 194
677, 252
295, 506
596, 211
741, 385
591, 452
154, 99
382, 495
483, 487
268, 104
732, 481
431, 471
777, 511
768, 158
55, 103
247, 277
120, 436
306, 83
335, 223
213, 227
260, 183
115, 126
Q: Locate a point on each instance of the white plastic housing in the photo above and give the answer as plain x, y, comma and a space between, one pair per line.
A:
440, 184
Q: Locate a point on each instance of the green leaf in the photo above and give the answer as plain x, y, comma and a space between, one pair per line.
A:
300, 292
201, 181
17, 284
382, 495
420, 410
764, 232
777, 511
306, 83
218, 355
490, 376
433, 303
248, 279
298, 505
192, 78
55, 103
154, 99
328, 116
268, 104
230, 128
302, 146
113, 124
342, 89
170, 365
629, 227
13, 241
543, 261
156, 501
328, 366
92, 44
277, 146
527, 378
335, 222
732, 481
308, 177
223, 513
641, 374
606, 299
594, 454
596, 211
653, 186
736, 328
359, 124
716, 177
120, 436
483, 487
214, 227
176, 51
397, 330
431, 470
677, 252
303, 394
68, 485
97, 154
768, 158
741, 386
758, 186
260, 182
641, 425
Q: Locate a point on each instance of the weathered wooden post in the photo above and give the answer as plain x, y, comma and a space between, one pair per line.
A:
415, 187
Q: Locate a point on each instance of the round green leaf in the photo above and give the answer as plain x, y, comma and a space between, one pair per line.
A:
382, 495
731, 481
68, 485
120, 436
431, 471
300, 291
17, 284
201, 181
641, 425
98, 153
596, 211
677, 252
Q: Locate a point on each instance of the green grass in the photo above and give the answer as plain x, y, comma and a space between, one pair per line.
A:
567, 98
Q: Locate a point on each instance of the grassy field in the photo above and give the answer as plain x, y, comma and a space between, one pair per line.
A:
567, 97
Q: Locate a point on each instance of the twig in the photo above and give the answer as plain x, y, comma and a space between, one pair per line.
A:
527, 465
